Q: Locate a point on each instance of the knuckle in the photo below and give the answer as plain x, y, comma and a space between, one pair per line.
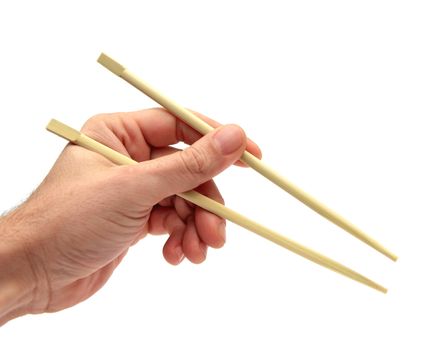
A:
194, 160
93, 127
93, 122
100, 121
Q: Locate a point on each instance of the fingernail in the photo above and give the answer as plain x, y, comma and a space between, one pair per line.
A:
181, 258
179, 253
228, 139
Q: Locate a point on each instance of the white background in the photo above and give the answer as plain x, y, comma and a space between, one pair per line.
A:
333, 91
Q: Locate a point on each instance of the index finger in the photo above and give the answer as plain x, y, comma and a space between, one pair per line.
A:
159, 128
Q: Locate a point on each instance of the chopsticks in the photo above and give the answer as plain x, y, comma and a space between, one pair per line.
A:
191, 119
209, 204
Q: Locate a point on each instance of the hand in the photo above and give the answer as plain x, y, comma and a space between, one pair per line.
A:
70, 235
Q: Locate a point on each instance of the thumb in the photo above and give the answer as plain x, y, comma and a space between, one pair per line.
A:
182, 171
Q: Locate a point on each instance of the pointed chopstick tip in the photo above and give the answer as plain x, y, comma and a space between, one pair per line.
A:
389, 254
381, 289
378, 247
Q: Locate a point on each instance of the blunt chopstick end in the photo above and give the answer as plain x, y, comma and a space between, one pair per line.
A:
111, 64
62, 130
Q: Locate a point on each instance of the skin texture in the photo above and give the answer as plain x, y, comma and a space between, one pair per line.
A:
61, 245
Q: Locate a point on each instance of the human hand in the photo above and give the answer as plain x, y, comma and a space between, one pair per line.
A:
73, 231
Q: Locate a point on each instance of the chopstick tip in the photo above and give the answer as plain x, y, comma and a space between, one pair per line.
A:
391, 256
382, 250
377, 286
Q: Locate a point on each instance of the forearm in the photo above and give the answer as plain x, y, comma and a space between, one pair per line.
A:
17, 285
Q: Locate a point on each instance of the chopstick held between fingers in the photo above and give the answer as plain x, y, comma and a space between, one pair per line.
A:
195, 122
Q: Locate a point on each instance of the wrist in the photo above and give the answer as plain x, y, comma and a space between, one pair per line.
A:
19, 280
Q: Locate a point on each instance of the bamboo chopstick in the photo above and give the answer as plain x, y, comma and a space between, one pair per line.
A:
209, 204
255, 163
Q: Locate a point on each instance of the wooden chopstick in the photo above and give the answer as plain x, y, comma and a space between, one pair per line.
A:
209, 204
255, 163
